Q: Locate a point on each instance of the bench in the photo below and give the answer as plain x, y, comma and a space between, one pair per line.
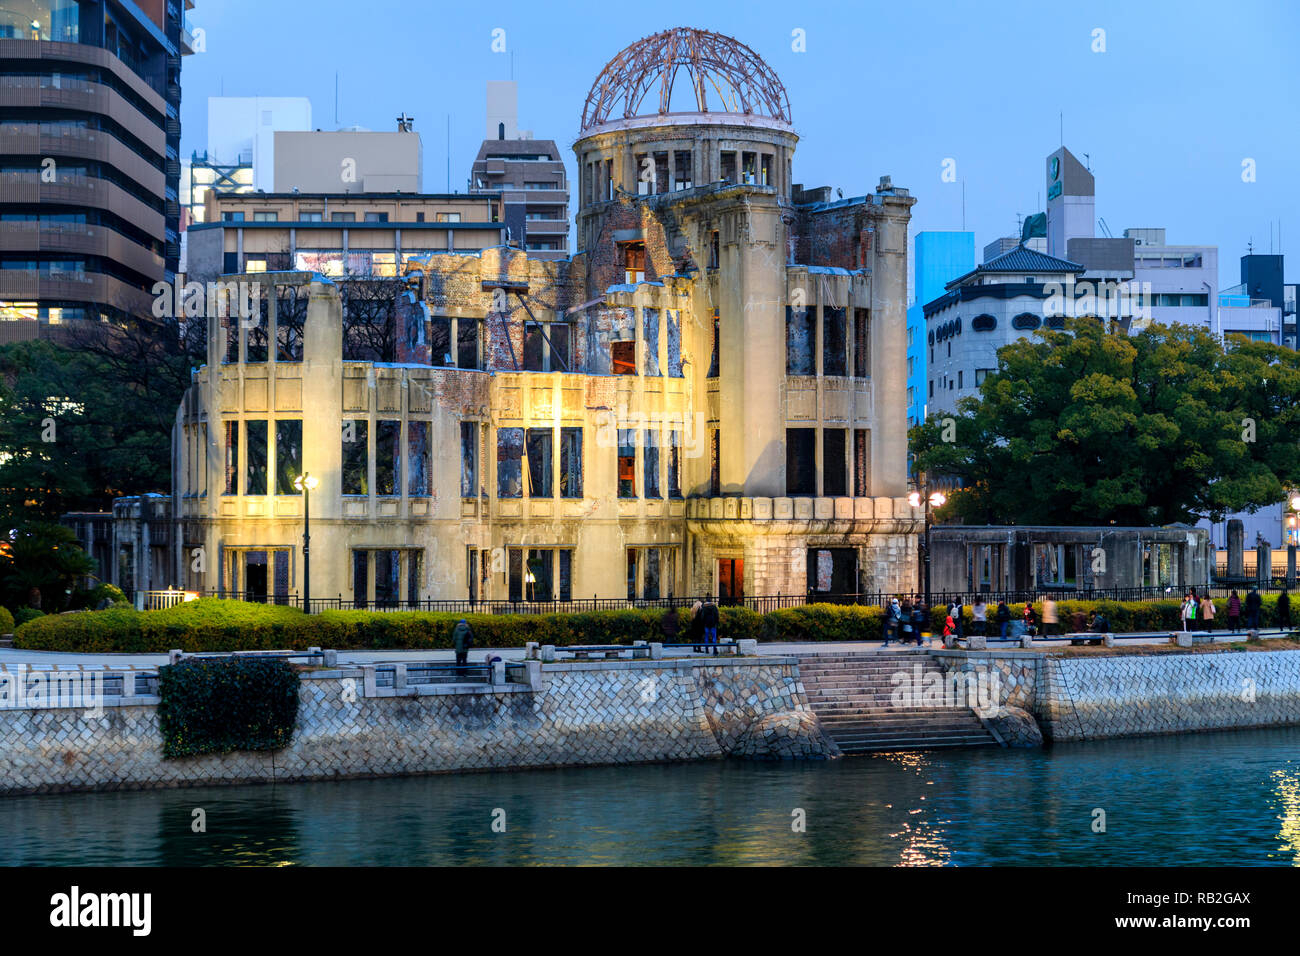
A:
606, 651
1091, 637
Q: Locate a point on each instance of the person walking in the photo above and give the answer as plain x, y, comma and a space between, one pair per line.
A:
1049, 616
979, 611
1207, 610
1029, 620
1234, 611
462, 639
1253, 602
949, 629
1003, 618
1182, 612
905, 621
891, 620
920, 620
709, 618
695, 630
959, 618
1283, 610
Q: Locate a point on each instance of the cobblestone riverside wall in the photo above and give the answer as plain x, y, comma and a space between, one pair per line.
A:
585, 713
1094, 697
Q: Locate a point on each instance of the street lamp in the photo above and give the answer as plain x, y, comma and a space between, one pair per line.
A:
936, 499
305, 483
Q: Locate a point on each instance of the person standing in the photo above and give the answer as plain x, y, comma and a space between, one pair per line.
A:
1182, 612
979, 611
1283, 610
1049, 617
1207, 612
959, 618
1003, 618
709, 618
695, 630
891, 620
1029, 619
1234, 611
920, 624
462, 639
905, 621
1253, 602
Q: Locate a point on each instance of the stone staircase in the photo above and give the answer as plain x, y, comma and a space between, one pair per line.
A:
851, 694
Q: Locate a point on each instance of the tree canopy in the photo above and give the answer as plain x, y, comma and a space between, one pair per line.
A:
1083, 426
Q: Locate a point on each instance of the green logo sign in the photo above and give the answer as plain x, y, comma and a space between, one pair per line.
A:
1056, 167
1054, 191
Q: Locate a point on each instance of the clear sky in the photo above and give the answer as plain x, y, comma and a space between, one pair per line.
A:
1184, 92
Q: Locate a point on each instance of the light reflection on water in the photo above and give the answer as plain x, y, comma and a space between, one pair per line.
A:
1228, 798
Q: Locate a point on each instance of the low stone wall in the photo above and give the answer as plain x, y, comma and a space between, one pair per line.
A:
1095, 697
580, 713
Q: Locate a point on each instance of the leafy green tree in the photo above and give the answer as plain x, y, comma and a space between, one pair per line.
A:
40, 565
1083, 426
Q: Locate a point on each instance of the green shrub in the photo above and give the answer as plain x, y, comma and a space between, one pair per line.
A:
222, 704
26, 614
6, 621
92, 598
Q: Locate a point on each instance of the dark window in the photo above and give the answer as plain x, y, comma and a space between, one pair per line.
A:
516, 574
539, 577
539, 462
231, 355
510, 452
861, 463
674, 465
290, 316
376, 217
650, 335
232, 458
255, 456
1055, 322
834, 463
356, 456
652, 464
566, 575
1026, 322
230, 263
469, 459
834, 342
673, 324
570, 462
467, 343
627, 463
533, 360
983, 323
631, 573
388, 457
622, 356
288, 455
715, 462
413, 563
559, 336
801, 461
861, 343
417, 459
713, 360
440, 341
800, 341
257, 338
388, 570
650, 577
360, 577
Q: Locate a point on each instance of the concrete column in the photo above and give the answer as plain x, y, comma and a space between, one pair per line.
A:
1290, 566
1236, 548
1263, 562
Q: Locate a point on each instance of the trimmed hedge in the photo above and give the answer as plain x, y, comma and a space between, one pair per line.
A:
213, 624
26, 614
225, 704
6, 621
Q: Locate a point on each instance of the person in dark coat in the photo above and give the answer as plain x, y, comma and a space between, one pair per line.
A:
462, 639
1234, 611
1283, 609
1253, 602
1003, 618
891, 621
669, 625
709, 618
919, 622
905, 621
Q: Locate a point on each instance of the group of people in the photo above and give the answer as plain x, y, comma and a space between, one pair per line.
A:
906, 621
703, 626
1198, 613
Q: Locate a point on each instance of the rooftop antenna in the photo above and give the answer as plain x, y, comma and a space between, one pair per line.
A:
1087, 163
448, 152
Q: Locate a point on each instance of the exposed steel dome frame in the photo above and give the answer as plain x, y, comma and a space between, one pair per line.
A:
743, 83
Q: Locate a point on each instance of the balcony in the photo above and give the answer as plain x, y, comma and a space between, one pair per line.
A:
765, 516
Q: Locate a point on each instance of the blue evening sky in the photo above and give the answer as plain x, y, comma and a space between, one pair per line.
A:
1184, 92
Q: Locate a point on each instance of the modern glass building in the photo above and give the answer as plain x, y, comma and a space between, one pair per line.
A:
89, 158
940, 257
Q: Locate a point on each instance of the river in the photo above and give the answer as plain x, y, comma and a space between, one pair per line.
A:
1228, 798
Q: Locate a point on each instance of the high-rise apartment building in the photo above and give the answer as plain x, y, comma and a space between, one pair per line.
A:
89, 158
528, 173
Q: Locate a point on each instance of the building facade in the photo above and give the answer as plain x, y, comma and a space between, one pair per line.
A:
937, 258
708, 398
89, 159
360, 234
528, 173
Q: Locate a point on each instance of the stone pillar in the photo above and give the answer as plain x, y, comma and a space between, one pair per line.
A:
1236, 548
1290, 566
1263, 563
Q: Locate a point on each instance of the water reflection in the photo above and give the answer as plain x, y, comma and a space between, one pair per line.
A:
1230, 798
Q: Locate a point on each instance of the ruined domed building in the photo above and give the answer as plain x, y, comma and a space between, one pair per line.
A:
707, 398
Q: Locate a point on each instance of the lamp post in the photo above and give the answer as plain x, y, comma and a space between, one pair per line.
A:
305, 483
936, 499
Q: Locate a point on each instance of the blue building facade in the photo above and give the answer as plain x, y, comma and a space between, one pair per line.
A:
939, 257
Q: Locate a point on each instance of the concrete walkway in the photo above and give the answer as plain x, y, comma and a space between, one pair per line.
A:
13, 657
